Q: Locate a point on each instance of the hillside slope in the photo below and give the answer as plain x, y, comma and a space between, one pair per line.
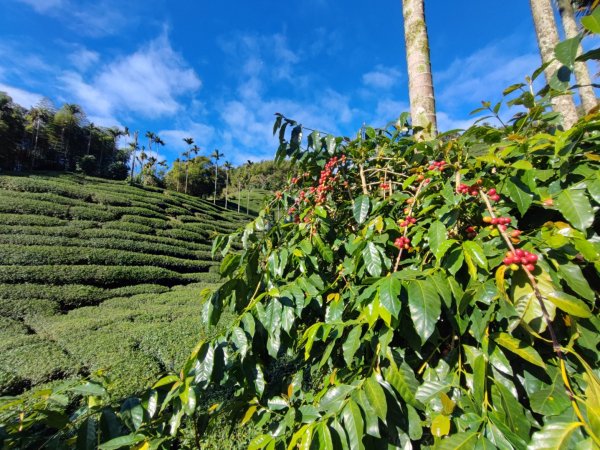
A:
99, 274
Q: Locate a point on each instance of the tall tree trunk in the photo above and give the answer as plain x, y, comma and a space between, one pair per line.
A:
226, 188
239, 199
216, 174
582, 74
420, 80
135, 140
186, 175
547, 37
35, 142
89, 143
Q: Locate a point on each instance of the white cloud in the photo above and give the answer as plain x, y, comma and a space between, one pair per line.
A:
83, 59
484, 74
446, 122
44, 6
148, 83
24, 98
382, 77
203, 135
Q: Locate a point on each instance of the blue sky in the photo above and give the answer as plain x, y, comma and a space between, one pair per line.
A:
218, 71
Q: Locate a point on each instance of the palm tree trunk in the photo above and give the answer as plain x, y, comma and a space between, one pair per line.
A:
216, 174
239, 199
186, 175
582, 74
420, 80
89, 142
226, 188
547, 37
247, 200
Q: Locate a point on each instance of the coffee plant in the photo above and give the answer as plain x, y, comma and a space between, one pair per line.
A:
397, 293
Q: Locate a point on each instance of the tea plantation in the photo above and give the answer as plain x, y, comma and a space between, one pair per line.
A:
97, 274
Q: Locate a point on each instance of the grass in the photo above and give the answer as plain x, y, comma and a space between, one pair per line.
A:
99, 274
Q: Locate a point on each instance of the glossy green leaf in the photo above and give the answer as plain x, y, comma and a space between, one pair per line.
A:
376, 397
389, 295
513, 345
474, 250
437, 234
554, 436
425, 307
333, 398
591, 22
361, 208
576, 208
324, 436
566, 51
353, 424
351, 345
517, 194
123, 441
570, 305
372, 259
573, 275
458, 441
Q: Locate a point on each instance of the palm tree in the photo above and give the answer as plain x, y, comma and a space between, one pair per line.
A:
420, 80
68, 118
189, 141
141, 159
228, 166
547, 37
151, 138
134, 147
114, 134
91, 127
248, 178
216, 156
582, 74
35, 117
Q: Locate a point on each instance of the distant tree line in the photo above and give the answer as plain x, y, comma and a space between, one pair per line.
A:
44, 137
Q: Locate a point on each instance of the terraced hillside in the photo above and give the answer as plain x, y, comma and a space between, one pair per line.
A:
99, 274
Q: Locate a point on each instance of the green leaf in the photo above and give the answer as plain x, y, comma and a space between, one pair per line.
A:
437, 235
444, 247
591, 22
372, 259
259, 442
519, 196
475, 252
122, 441
550, 401
554, 436
333, 398
458, 441
570, 305
89, 389
324, 436
376, 397
239, 339
425, 307
519, 348
351, 345
572, 274
566, 51
361, 208
389, 295
526, 302
403, 381
576, 208
87, 435
440, 425
353, 424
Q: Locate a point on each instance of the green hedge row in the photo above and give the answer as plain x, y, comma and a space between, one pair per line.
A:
92, 212
10, 204
105, 276
139, 246
21, 308
35, 184
38, 255
128, 226
31, 219
73, 295
185, 235
137, 211
123, 234
148, 221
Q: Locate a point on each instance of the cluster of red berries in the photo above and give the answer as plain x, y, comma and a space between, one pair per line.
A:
402, 242
466, 189
437, 165
408, 221
501, 222
421, 177
471, 233
493, 195
520, 257
327, 180
384, 186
